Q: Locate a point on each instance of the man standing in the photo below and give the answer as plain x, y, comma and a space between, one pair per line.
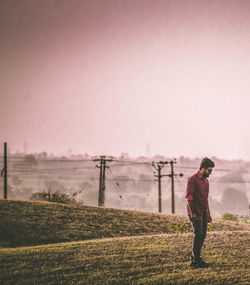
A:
198, 208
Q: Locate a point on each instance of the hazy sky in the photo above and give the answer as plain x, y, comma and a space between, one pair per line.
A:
136, 76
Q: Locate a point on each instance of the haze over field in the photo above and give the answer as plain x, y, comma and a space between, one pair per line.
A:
129, 183
143, 77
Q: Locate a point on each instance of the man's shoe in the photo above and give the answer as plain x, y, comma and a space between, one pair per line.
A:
203, 263
194, 264
198, 263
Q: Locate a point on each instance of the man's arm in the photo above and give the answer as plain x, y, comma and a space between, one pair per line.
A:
189, 196
209, 218
191, 207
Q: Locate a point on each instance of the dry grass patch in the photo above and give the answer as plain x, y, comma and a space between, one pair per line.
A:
160, 259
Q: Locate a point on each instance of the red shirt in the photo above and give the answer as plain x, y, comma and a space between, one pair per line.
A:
197, 190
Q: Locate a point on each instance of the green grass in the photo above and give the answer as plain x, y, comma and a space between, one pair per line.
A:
159, 259
34, 223
68, 244
230, 217
236, 218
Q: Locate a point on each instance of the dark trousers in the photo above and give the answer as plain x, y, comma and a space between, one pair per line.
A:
200, 230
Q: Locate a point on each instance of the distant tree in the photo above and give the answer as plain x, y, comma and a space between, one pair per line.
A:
54, 186
63, 158
77, 156
86, 156
55, 197
25, 193
84, 186
234, 201
142, 158
235, 177
17, 193
26, 162
10, 193
180, 205
30, 160
145, 183
43, 155
159, 157
16, 181
215, 207
123, 156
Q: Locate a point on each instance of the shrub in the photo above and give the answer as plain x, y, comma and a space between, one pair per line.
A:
55, 197
245, 219
230, 217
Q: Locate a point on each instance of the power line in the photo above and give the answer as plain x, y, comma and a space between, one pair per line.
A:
123, 162
48, 169
48, 159
133, 162
196, 168
153, 186
116, 183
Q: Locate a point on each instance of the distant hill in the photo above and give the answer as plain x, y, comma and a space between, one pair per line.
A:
24, 223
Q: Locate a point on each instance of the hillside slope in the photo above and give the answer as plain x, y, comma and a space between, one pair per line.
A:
34, 223
160, 259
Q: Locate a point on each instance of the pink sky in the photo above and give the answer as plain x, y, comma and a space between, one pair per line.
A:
105, 77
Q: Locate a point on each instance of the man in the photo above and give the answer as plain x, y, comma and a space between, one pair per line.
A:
198, 208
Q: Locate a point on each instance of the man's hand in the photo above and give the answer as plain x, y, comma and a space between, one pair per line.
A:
193, 216
209, 219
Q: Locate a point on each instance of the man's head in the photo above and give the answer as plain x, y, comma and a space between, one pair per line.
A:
206, 167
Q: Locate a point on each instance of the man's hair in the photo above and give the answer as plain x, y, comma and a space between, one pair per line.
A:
206, 162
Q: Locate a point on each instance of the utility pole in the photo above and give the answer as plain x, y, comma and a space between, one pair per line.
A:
172, 185
172, 175
158, 166
103, 182
101, 197
4, 171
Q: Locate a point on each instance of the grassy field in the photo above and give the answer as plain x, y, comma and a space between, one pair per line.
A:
158, 259
34, 223
49, 243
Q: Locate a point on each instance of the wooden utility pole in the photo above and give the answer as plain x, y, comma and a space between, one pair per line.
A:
158, 166
101, 197
172, 185
103, 182
5, 172
159, 189
172, 175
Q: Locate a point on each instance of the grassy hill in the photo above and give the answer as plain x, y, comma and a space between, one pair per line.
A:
158, 259
34, 223
91, 245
